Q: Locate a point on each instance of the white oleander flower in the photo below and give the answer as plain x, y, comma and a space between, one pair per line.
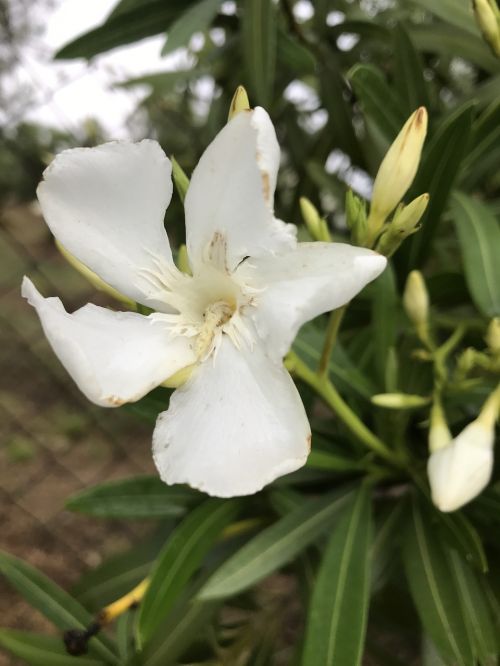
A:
459, 469
238, 422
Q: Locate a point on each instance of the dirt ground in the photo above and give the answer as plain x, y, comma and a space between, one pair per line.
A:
53, 443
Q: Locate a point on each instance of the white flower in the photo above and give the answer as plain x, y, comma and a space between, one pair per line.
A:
459, 469
238, 422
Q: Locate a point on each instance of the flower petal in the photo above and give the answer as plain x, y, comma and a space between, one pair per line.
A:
106, 206
301, 284
235, 426
114, 357
232, 191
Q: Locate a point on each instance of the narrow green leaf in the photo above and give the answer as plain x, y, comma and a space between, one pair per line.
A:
119, 574
475, 608
386, 542
484, 155
338, 612
456, 12
433, 589
293, 55
378, 100
446, 40
409, 71
53, 602
196, 19
330, 461
275, 546
162, 83
462, 535
340, 128
384, 321
479, 235
180, 558
259, 47
436, 175
178, 632
138, 497
136, 21
39, 650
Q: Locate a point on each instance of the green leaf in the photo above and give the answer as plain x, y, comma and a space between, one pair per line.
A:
39, 650
259, 47
456, 12
462, 535
386, 542
178, 633
138, 497
433, 589
484, 155
180, 179
409, 71
53, 602
119, 574
378, 100
133, 23
384, 321
436, 175
196, 19
275, 546
293, 55
337, 617
330, 461
179, 559
447, 40
479, 236
475, 608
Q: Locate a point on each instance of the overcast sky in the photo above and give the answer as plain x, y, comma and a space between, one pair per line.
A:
66, 93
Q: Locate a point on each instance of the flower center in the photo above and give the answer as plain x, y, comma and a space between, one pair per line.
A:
215, 318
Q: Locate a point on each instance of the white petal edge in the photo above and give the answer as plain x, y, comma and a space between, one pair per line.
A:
113, 357
235, 426
232, 191
294, 287
106, 206
460, 471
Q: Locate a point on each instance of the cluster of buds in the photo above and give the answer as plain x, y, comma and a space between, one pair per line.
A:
315, 224
460, 468
487, 17
394, 178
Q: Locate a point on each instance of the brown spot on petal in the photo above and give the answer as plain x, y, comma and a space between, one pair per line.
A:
114, 401
308, 440
266, 187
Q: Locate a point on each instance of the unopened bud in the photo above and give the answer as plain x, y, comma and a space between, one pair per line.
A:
356, 219
316, 225
493, 336
93, 278
399, 400
405, 223
397, 171
488, 19
239, 103
439, 433
416, 300
460, 470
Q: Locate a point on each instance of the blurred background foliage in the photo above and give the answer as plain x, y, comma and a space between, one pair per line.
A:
338, 79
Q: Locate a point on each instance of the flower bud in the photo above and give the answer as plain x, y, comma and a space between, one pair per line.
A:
493, 336
397, 171
399, 400
416, 300
316, 225
93, 278
239, 103
488, 19
355, 211
179, 378
183, 260
405, 223
461, 469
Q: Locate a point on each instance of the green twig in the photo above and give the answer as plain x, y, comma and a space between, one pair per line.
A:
330, 339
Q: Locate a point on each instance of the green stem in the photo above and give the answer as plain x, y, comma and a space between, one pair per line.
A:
324, 388
330, 339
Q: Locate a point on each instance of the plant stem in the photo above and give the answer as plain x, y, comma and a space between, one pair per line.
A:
330, 339
324, 388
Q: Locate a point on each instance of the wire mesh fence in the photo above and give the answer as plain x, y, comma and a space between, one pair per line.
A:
53, 442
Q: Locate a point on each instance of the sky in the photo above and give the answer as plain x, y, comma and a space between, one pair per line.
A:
67, 93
